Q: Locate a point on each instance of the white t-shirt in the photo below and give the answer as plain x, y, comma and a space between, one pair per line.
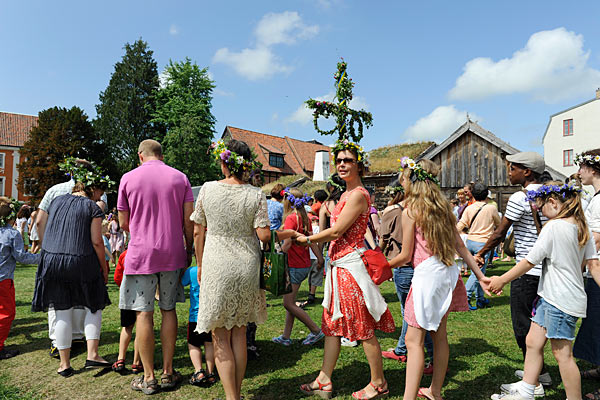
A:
561, 283
592, 214
518, 210
315, 229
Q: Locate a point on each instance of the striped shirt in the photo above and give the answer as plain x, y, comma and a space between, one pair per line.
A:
518, 210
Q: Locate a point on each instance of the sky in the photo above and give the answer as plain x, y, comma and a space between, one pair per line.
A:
419, 67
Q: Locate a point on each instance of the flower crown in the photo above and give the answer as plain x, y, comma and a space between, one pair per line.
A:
587, 159
546, 190
393, 190
234, 161
345, 144
89, 177
417, 172
296, 202
335, 185
15, 206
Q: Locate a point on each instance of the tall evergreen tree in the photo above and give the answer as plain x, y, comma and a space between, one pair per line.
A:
60, 133
184, 105
125, 112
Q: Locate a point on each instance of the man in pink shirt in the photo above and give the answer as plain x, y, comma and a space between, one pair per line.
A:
155, 203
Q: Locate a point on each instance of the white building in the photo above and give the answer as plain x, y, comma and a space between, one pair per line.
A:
572, 131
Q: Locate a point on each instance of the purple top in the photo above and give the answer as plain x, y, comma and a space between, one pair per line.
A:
154, 194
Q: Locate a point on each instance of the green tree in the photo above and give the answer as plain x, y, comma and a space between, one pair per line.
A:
60, 133
184, 105
125, 112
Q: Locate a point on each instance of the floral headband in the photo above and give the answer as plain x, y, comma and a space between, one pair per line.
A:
546, 190
296, 202
363, 156
15, 206
234, 161
417, 172
89, 177
587, 159
335, 185
393, 190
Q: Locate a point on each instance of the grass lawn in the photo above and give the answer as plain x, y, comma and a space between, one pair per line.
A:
483, 354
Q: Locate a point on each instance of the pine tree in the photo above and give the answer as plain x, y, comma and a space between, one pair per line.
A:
124, 115
60, 133
184, 107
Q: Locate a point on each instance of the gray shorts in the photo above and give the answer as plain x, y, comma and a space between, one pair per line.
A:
138, 291
315, 276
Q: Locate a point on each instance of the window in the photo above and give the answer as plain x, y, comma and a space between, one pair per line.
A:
568, 158
2, 155
2, 179
276, 160
568, 127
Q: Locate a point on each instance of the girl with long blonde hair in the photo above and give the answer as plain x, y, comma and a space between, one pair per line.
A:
430, 240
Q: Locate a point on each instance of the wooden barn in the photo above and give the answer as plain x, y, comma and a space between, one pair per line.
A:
473, 154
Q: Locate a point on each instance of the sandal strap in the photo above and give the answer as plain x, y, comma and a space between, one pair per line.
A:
321, 386
379, 389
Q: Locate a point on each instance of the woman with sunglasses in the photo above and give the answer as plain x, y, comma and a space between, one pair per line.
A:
352, 306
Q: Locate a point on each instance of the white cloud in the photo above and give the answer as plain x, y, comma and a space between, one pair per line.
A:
304, 115
260, 62
551, 67
174, 30
439, 124
286, 28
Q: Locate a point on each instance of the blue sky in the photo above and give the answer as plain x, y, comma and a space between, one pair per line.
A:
418, 66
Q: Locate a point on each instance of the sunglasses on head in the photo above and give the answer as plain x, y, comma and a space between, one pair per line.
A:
346, 160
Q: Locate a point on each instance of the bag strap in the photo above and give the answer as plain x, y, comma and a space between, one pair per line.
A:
476, 214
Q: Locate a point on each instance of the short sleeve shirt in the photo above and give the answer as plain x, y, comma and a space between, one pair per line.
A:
154, 195
518, 210
561, 283
592, 214
275, 210
54, 192
298, 256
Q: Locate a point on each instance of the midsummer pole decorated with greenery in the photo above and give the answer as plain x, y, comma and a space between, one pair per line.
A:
346, 118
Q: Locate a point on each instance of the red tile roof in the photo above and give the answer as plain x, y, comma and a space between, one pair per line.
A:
299, 156
15, 128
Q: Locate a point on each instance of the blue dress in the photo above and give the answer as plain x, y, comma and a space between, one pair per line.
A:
69, 274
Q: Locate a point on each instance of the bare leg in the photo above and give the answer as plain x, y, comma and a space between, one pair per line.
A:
65, 359
240, 354
373, 353
124, 340
209, 353
440, 358
92, 350
414, 339
195, 356
569, 373
168, 337
136, 352
225, 361
145, 341
330, 356
289, 302
534, 357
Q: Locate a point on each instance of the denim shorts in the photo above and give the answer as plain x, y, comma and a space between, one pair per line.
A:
558, 324
297, 275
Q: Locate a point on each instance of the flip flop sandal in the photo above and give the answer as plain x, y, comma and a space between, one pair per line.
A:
140, 385
422, 395
595, 395
320, 391
199, 378
381, 392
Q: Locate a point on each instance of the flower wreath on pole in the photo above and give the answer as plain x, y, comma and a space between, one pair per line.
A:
346, 118
93, 177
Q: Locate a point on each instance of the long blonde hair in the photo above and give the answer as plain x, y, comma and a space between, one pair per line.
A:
288, 208
432, 213
571, 207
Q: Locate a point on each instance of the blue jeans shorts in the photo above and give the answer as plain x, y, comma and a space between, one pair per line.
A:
558, 324
297, 275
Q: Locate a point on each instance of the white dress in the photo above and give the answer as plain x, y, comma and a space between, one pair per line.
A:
229, 288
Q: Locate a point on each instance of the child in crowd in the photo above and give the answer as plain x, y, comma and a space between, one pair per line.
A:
195, 340
430, 240
11, 252
127, 323
563, 246
107, 251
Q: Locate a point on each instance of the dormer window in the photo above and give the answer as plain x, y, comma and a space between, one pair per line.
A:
276, 160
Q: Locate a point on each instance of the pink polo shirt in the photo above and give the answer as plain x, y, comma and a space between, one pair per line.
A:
154, 194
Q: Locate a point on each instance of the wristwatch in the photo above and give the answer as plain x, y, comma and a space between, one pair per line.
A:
308, 240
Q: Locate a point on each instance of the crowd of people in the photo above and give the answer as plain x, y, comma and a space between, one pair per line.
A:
156, 229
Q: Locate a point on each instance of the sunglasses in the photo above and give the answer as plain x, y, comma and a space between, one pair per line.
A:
338, 161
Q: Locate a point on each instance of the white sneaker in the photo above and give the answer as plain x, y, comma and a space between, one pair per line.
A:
349, 343
544, 378
508, 396
513, 387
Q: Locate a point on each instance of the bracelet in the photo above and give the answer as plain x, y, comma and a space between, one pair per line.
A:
308, 240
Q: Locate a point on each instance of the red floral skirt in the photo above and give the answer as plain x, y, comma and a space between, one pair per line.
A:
357, 323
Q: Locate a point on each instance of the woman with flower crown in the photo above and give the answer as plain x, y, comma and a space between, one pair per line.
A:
228, 216
353, 307
587, 344
72, 272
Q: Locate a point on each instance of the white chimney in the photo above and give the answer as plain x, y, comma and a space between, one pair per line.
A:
598, 93
321, 169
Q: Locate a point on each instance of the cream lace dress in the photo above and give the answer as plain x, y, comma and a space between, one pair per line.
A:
229, 288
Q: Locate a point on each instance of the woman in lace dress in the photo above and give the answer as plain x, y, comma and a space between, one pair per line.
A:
229, 214
353, 307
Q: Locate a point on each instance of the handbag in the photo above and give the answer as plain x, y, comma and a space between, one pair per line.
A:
377, 265
274, 272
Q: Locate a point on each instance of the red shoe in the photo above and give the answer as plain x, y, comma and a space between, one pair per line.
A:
391, 355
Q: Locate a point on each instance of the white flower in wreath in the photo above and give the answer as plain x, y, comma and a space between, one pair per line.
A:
597, 158
411, 164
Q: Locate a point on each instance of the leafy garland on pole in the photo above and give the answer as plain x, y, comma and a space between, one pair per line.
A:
346, 117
